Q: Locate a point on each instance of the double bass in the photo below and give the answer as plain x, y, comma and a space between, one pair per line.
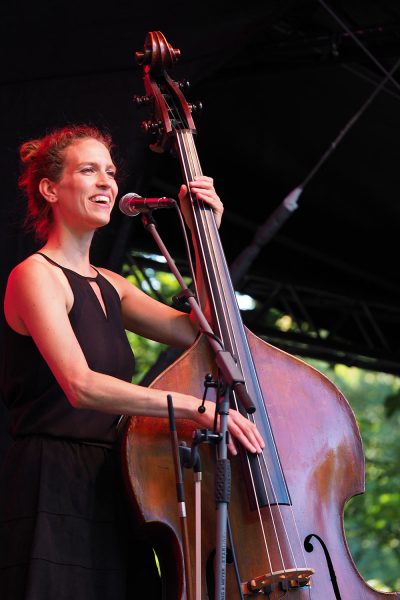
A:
286, 507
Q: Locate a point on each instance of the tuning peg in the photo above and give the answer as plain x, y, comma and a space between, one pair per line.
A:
141, 100
142, 57
152, 127
196, 107
147, 126
139, 56
184, 85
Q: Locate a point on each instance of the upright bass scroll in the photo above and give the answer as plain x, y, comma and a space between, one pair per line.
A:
286, 509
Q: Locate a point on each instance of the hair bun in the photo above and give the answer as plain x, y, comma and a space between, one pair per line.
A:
29, 150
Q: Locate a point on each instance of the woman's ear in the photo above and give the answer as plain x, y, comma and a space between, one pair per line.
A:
47, 189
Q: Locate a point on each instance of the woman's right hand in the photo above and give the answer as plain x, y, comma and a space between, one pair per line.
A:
240, 428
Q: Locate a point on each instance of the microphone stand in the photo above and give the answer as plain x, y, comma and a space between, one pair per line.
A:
224, 360
234, 381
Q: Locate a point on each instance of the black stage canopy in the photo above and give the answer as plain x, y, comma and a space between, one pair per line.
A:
279, 80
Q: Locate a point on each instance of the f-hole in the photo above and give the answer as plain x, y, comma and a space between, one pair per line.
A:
309, 548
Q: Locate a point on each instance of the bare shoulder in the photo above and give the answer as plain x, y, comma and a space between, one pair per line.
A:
33, 270
29, 269
31, 282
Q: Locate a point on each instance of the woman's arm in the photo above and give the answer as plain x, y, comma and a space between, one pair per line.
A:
36, 304
148, 317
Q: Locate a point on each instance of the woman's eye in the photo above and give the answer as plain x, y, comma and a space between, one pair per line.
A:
111, 174
87, 170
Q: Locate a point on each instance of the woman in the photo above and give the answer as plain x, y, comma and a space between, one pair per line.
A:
67, 378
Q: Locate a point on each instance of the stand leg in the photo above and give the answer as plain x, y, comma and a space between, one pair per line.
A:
222, 498
220, 557
198, 537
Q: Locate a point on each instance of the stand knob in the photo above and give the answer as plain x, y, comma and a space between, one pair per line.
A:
141, 100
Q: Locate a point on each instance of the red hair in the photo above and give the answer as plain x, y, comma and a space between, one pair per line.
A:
44, 157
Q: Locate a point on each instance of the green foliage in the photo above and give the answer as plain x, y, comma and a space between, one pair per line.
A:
372, 519
392, 404
146, 353
160, 285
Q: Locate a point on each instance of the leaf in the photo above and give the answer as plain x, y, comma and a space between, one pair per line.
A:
392, 404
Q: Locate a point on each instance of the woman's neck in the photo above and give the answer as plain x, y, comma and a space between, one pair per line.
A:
70, 251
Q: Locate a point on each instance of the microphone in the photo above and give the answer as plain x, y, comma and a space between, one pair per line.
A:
133, 204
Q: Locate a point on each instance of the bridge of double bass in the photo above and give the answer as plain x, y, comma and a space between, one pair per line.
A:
285, 579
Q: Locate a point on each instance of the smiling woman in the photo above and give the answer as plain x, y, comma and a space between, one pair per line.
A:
85, 194
67, 379
44, 159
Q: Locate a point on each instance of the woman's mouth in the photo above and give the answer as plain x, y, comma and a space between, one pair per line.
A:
101, 199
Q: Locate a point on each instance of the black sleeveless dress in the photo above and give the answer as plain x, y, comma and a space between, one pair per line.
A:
65, 530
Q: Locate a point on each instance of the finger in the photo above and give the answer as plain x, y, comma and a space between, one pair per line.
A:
231, 446
241, 437
203, 178
249, 432
209, 199
256, 439
209, 196
203, 184
254, 435
259, 437
182, 192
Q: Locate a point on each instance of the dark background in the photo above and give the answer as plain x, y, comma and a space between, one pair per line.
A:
278, 81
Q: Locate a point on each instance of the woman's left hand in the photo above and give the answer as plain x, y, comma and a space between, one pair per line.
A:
203, 189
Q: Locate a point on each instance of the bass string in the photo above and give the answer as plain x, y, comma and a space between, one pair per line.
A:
212, 239
192, 168
190, 160
192, 154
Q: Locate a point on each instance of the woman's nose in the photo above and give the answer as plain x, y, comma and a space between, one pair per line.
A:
103, 180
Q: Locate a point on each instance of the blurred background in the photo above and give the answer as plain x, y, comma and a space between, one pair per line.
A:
294, 93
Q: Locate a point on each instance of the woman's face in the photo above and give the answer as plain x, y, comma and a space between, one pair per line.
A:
85, 195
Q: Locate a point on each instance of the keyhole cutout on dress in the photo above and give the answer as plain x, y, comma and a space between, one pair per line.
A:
95, 287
